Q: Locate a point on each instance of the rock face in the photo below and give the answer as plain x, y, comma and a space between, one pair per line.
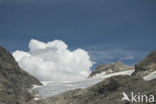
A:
146, 66
110, 68
14, 82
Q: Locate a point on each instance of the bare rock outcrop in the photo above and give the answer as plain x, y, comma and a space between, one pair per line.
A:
146, 66
110, 68
14, 82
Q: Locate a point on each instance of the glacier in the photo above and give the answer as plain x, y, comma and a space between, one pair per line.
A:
53, 88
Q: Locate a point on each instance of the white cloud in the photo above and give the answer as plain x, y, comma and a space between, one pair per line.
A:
53, 61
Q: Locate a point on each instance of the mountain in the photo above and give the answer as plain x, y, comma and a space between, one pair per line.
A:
111, 90
146, 66
14, 82
108, 91
110, 68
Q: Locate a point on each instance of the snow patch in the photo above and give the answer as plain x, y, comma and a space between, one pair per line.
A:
104, 75
150, 76
35, 86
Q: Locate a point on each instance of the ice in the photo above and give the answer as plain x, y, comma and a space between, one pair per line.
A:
150, 76
53, 88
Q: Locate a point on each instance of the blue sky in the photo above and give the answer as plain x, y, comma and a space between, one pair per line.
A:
110, 30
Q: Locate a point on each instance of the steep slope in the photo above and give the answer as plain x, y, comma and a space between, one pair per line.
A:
146, 66
14, 82
110, 68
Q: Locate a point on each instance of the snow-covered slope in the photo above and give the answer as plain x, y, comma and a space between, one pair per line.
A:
54, 88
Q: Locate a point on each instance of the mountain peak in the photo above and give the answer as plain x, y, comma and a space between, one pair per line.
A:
110, 68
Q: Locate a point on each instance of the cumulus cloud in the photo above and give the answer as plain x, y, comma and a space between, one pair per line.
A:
53, 61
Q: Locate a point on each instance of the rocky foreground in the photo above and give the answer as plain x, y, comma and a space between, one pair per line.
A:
15, 84
110, 91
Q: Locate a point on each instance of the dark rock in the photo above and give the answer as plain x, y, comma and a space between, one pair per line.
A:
14, 82
146, 66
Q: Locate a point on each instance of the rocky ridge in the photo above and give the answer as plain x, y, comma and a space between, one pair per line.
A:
146, 66
110, 68
14, 82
